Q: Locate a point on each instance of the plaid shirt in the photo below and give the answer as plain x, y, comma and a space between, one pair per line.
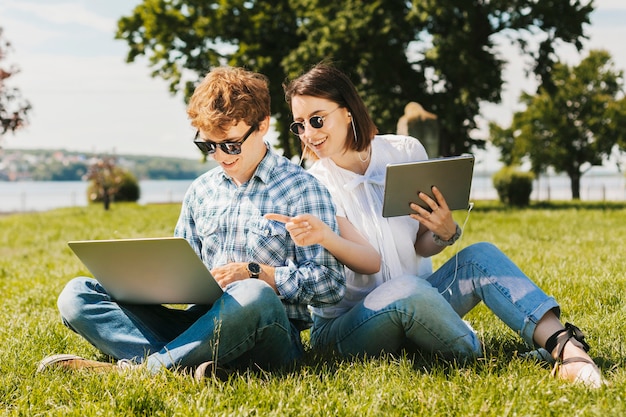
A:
224, 223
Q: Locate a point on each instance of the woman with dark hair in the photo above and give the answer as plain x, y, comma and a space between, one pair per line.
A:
406, 304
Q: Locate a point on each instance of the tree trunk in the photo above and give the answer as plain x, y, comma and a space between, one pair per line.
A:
574, 177
106, 198
445, 144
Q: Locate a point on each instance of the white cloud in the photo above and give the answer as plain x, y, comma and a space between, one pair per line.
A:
101, 104
62, 13
91, 101
610, 4
24, 35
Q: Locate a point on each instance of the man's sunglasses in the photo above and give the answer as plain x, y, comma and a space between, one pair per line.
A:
232, 148
316, 122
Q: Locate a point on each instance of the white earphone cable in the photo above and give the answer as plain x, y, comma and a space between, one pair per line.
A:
456, 254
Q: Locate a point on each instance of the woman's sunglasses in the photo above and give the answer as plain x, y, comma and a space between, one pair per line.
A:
232, 148
316, 122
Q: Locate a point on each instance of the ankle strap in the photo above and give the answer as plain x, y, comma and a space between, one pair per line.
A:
559, 339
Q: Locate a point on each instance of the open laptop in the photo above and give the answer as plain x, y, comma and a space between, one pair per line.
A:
451, 175
149, 270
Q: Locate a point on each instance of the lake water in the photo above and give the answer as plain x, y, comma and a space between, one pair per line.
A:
46, 195
593, 187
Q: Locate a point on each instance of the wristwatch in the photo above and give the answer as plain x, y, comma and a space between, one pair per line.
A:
254, 269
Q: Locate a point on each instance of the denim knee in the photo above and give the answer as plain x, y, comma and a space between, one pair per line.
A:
404, 290
71, 299
482, 251
257, 299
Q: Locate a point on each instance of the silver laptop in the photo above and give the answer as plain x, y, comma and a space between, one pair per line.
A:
451, 175
149, 271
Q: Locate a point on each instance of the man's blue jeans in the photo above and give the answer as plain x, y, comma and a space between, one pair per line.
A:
248, 324
427, 314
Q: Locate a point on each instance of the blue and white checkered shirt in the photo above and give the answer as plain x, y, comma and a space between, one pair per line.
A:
224, 223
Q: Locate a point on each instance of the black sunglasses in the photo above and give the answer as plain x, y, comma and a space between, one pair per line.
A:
232, 148
316, 122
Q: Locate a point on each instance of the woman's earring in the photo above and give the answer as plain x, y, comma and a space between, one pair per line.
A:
353, 127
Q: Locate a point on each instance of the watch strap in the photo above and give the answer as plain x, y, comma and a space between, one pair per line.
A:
457, 234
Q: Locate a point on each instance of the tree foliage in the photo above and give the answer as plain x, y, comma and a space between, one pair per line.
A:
13, 108
110, 182
442, 54
575, 124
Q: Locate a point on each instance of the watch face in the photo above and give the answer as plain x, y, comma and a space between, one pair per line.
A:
254, 268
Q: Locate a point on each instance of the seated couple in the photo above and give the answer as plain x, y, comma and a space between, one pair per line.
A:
275, 237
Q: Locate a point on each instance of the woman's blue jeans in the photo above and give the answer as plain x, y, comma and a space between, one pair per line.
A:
248, 324
427, 314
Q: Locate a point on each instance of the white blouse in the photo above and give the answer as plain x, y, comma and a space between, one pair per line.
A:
359, 198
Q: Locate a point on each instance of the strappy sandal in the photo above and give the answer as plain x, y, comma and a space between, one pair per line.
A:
589, 374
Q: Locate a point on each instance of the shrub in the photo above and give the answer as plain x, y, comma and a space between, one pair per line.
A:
513, 186
129, 188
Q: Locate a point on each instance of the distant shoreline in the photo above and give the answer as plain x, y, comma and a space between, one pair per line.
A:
33, 196
63, 165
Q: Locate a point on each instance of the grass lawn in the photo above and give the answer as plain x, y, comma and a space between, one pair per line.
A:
575, 253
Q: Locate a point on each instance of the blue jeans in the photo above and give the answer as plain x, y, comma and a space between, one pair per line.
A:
248, 324
427, 314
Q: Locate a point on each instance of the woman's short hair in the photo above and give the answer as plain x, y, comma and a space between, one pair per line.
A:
325, 81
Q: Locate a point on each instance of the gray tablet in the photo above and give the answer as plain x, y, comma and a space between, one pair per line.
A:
149, 271
451, 175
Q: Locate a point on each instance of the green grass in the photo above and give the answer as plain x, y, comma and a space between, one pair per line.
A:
574, 252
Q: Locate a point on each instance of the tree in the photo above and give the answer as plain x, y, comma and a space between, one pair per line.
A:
439, 53
109, 182
184, 39
575, 124
13, 108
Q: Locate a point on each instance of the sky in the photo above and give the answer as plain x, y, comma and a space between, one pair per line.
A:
85, 97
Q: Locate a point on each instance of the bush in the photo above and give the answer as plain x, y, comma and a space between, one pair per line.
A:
129, 189
513, 186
